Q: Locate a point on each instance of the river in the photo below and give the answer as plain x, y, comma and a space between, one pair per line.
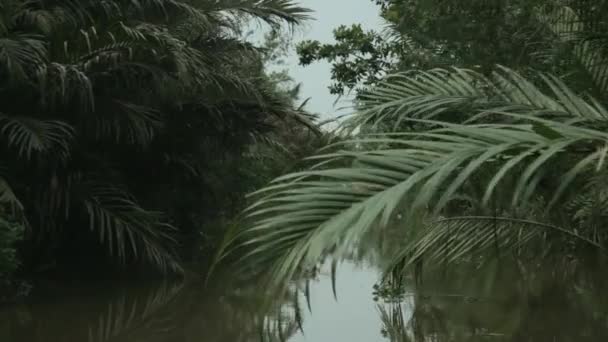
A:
451, 306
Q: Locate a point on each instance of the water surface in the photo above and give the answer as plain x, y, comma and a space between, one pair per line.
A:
485, 305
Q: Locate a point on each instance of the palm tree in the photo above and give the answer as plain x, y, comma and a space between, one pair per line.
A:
468, 162
110, 107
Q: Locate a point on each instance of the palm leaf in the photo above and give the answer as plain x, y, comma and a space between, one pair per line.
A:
271, 11
127, 123
28, 135
565, 23
460, 94
62, 84
302, 216
448, 240
124, 227
19, 55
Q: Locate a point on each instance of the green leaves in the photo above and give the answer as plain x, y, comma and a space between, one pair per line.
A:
127, 229
129, 124
137, 92
461, 95
450, 239
583, 38
18, 54
358, 56
29, 135
271, 11
368, 181
10, 234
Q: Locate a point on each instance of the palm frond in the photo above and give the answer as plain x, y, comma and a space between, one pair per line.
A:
62, 84
450, 239
459, 95
124, 227
302, 216
567, 25
125, 122
19, 54
588, 207
29, 135
271, 11
39, 19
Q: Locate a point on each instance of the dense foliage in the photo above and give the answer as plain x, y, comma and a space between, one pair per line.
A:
474, 161
10, 234
475, 34
125, 125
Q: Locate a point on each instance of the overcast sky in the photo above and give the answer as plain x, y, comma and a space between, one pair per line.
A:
328, 15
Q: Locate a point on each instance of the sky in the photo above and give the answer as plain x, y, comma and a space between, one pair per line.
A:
316, 78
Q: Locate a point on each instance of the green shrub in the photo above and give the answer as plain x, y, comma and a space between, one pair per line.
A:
10, 233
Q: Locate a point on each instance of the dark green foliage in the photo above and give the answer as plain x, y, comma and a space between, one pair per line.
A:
124, 122
10, 234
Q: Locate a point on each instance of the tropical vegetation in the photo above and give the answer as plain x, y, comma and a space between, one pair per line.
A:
128, 129
480, 130
149, 311
131, 130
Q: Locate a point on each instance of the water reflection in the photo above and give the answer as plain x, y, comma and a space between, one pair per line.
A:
139, 312
498, 302
352, 317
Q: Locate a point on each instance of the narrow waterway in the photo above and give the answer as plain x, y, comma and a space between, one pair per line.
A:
479, 306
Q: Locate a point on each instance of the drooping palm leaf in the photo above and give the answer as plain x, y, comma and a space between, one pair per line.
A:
458, 95
127, 229
18, 54
126, 123
28, 135
62, 84
448, 240
302, 216
271, 11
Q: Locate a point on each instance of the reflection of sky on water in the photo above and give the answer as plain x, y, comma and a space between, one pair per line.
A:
353, 318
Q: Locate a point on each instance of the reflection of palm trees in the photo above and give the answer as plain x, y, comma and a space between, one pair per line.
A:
129, 314
503, 301
125, 319
545, 308
147, 313
394, 320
